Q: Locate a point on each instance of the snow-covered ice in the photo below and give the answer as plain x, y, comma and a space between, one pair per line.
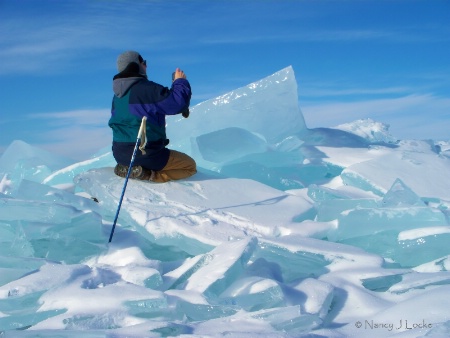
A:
285, 231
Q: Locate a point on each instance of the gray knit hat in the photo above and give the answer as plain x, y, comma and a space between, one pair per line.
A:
124, 59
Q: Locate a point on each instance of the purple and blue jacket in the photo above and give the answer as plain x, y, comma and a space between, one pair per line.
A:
134, 98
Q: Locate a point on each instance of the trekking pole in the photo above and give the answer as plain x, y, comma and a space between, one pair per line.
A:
141, 131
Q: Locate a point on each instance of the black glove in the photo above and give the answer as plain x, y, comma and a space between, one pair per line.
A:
185, 113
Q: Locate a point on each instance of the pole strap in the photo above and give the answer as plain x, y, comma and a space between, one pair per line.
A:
142, 135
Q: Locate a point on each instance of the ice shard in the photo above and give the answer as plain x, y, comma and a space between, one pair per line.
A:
224, 264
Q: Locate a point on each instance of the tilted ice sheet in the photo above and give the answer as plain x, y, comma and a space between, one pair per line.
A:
24, 157
365, 221
426, 174
236, 131
254, 293
223, 265
401, 195
67, 174
252, 108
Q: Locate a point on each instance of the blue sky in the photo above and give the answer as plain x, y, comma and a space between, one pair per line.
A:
388, 60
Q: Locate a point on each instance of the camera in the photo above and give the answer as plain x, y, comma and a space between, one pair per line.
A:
185, 112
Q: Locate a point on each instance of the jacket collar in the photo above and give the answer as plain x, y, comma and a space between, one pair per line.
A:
124, 80
132, 70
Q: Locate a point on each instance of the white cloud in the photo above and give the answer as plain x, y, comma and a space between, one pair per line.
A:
76, 142
322, 91
76, 134
80, 117
410, 117
39, 43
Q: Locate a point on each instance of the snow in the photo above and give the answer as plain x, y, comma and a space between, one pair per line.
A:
285, 231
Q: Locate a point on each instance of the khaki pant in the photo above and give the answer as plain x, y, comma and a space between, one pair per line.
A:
178, 166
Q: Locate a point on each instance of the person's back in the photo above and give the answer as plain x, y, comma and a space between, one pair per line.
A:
135, 97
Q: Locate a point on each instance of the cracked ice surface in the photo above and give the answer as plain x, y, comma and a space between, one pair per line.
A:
284, 232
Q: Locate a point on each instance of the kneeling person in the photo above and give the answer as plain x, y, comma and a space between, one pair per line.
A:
135, 97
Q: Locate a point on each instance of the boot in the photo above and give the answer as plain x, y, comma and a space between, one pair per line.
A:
137, 172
